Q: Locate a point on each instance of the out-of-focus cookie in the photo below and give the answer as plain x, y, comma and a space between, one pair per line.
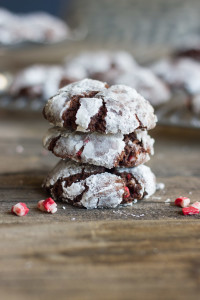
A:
107, 150
36, 81
100, 65
96, 187
180, 73
194, 104
90, 105
147, 84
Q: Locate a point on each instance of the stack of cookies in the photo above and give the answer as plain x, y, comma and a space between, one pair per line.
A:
101, 135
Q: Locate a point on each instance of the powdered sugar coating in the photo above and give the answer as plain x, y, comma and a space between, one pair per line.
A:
147, 84
87, 110
102, 189
126, 110
67, 168
97, 149
145, 177
61, 101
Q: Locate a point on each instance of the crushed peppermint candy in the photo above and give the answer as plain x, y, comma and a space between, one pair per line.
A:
190, 211
48, 205
20, 209
182, 201
196, 205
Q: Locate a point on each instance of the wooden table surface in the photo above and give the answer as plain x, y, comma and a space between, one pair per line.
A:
147, 251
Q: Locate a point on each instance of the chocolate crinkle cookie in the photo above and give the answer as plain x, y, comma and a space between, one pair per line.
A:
150, 86
194, 104
107, 150
90, 105
36, 82
179, 73
100, 65
96, 187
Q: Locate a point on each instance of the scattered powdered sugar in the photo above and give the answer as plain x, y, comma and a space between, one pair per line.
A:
64, 207
126, 214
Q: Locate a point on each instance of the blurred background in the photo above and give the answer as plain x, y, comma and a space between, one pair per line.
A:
161, 38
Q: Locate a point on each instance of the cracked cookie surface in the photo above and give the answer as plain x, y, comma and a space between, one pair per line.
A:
91, 106
107, 150
97, 187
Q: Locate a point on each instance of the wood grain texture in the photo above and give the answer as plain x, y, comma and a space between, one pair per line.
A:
148, 251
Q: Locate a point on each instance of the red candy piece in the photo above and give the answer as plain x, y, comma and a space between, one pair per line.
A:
79, 153
86, 141
126, 192
128, 176
190, 211
50, 205
131, 158
20, 209
182, 201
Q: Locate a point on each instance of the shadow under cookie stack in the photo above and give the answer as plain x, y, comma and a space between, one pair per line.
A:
101, 135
